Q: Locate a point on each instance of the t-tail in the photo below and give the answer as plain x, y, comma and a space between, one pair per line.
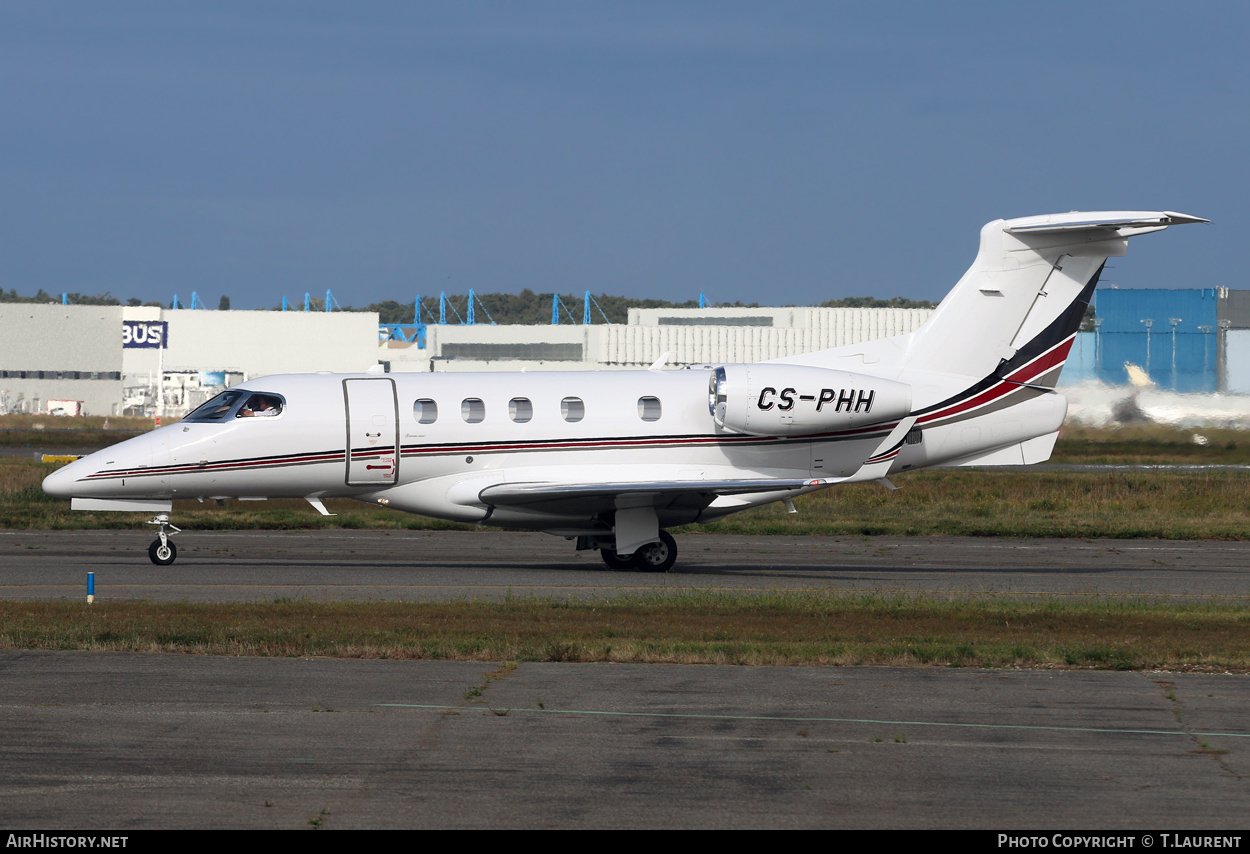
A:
991, 354
1014, 314
981, 372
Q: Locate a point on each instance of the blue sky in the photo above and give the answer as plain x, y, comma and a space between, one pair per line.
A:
779, 152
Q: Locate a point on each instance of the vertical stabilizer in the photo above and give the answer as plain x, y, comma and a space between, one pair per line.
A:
1021, 302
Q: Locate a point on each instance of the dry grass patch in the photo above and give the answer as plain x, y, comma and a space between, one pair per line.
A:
86, 433
987, 502
1151, 444
699, 628
961, 502
955, 502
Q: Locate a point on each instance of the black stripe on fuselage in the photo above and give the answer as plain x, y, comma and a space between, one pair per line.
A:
1059, 330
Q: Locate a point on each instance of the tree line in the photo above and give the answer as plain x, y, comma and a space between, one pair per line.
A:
525, 307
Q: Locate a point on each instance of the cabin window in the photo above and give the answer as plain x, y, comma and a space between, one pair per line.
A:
520, 409
572, 409
472, 410
425, 411
649, 408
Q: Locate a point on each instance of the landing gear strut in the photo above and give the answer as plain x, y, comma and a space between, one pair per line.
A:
652, 557
162, 551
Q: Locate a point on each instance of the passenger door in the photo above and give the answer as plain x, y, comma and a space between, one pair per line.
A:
372, 431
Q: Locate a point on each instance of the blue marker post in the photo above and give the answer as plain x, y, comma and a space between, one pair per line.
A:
90, 587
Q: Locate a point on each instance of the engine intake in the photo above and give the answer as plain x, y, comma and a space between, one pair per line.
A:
787, 400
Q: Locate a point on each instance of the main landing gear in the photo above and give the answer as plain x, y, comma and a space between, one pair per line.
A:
652, 557
163, 552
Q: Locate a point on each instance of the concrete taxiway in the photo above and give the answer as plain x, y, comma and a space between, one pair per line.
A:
424, 565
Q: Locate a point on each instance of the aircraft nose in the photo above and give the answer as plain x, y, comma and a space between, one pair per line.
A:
60, 484
89, 476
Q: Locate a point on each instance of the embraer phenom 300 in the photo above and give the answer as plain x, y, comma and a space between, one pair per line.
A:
612, 458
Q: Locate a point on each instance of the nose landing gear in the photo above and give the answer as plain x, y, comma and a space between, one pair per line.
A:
162, 551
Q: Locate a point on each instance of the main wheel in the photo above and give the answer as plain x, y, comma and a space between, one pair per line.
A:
615, 561
657, 557
162, 555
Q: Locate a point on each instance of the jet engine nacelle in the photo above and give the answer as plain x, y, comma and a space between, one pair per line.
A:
786, 400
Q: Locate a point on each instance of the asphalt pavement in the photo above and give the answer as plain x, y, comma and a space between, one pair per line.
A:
121, 742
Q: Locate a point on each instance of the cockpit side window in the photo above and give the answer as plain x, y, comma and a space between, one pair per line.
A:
217, 409
262, 405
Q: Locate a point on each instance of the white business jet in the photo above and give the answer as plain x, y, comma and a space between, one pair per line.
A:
612, 458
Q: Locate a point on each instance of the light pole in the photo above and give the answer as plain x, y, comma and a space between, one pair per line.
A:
1098, 347
1221, 355
1206, 353
1175, 321
1149, 323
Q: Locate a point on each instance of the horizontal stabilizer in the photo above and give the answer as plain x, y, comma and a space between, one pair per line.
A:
1111, 220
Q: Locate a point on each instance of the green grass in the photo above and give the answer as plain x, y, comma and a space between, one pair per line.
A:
950, 502
961, 502
83, 434
1151, 445
690, 628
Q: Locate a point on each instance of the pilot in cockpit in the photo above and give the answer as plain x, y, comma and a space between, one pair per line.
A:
260, 405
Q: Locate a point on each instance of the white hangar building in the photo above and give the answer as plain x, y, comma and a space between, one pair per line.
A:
110, 357
105, 356
694, 336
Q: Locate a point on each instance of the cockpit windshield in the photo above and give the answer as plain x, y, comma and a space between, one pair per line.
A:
238, 403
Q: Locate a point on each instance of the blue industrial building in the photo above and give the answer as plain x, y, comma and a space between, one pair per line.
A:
1171, 334
1179, 337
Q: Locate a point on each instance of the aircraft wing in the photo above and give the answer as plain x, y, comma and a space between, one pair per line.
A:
528, 493
600, 497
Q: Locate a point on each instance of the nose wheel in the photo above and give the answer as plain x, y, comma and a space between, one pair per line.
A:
163, 552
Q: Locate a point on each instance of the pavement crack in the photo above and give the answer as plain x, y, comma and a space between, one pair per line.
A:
476, 694
1204, 747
